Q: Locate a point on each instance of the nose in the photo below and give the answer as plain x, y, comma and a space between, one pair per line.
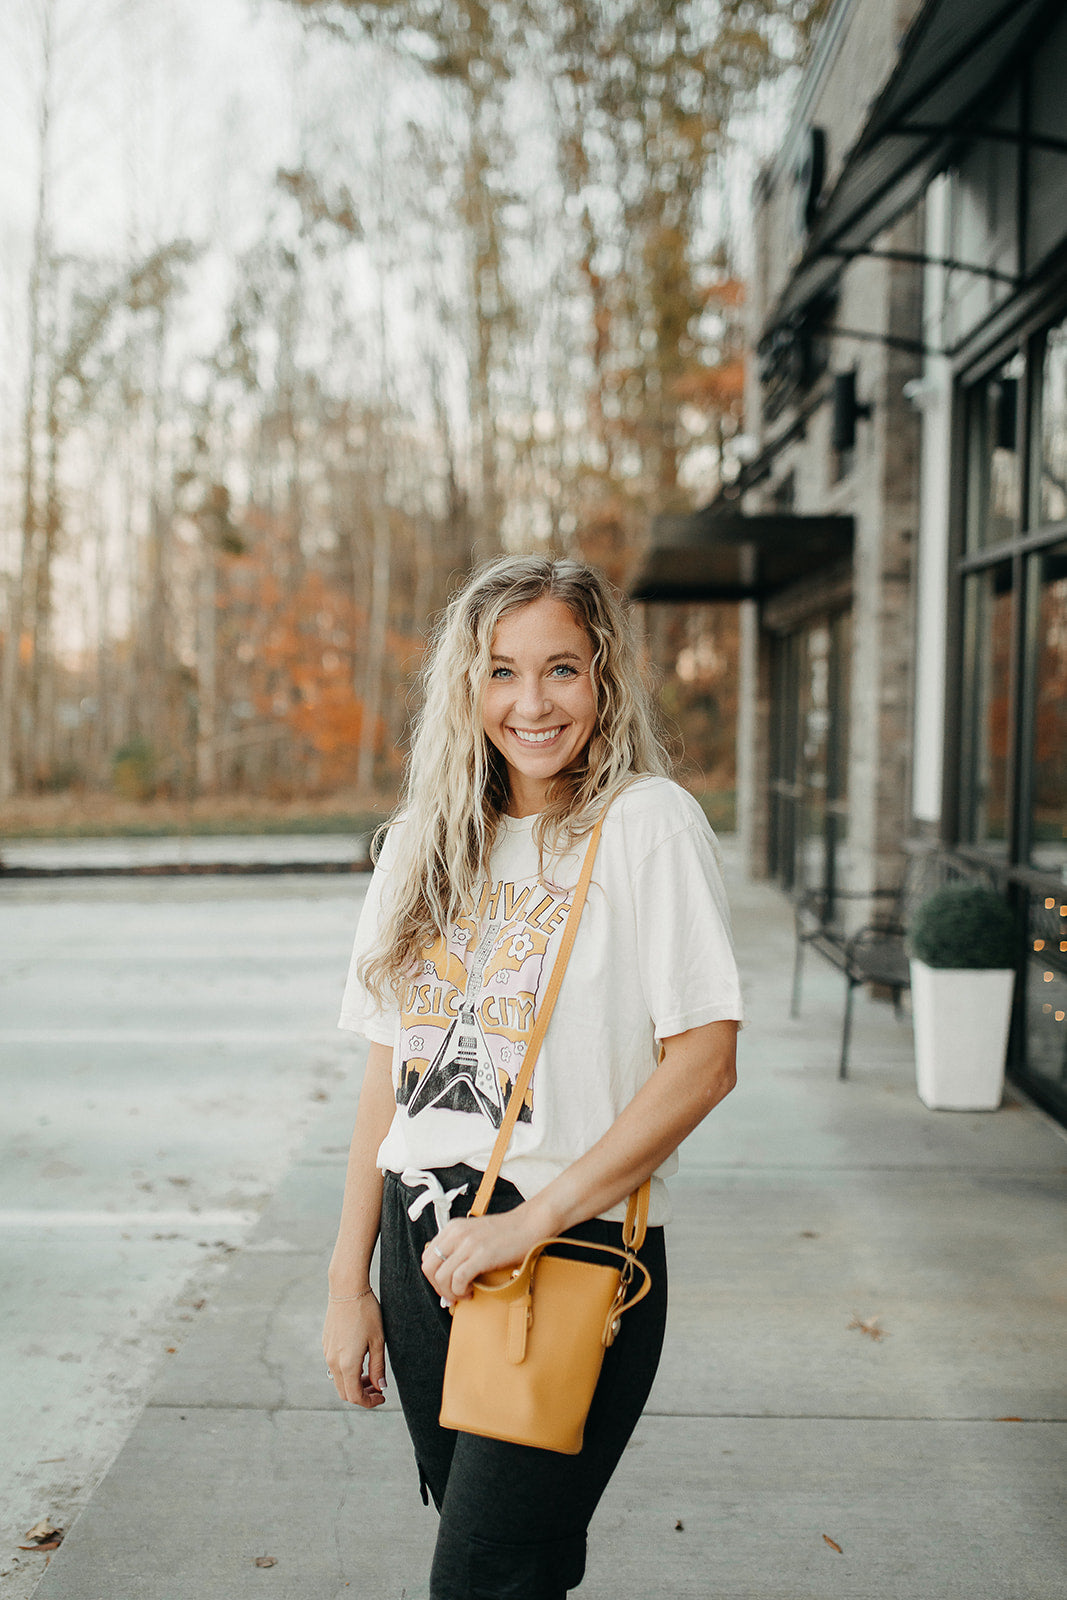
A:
531, 701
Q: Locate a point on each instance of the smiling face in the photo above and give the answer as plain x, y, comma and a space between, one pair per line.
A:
539, 707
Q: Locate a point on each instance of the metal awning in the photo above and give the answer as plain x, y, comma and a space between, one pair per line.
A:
948, 62
721, 554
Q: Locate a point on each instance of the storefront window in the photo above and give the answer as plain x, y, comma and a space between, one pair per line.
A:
986, 678
809, 805
995, 478
1052, 474
837, 834
815, 734
1048, 825
1046, 1024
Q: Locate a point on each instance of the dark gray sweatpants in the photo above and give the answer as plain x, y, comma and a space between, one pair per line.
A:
513, 1519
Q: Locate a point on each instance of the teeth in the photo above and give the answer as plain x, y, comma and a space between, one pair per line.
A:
535, 738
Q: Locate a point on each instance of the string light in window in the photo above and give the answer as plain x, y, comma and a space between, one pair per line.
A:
1048, 977
1039, 944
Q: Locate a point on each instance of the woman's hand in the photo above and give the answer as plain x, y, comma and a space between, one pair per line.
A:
354, 1347
473, 1245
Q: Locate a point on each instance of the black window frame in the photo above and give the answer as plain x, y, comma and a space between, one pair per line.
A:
1030, 889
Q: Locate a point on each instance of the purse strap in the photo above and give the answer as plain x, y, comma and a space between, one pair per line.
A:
540, 1028
637, 1209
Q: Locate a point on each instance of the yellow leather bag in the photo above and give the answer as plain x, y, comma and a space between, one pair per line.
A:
525, 1350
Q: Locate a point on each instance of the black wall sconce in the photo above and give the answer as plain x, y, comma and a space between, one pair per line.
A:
847, 410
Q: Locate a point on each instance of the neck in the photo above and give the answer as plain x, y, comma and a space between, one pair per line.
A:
526, 801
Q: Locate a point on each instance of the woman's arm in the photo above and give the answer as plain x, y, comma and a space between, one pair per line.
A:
696, 1072
352, 1335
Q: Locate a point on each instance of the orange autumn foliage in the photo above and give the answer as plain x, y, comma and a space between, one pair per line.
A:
728, 292
718, 388
303, 659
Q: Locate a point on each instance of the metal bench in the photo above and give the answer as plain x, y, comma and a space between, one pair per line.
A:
874, 953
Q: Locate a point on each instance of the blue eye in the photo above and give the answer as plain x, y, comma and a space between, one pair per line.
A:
500, 672
562, 667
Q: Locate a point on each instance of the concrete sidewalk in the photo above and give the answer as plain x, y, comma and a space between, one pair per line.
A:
863, 1392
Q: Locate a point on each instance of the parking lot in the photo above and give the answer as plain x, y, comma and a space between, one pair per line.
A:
164, 1045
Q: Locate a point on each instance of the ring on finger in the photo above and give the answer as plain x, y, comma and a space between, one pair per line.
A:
438, 1252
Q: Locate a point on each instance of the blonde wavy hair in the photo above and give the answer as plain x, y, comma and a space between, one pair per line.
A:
456, 787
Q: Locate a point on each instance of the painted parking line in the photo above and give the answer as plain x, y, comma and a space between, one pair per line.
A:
192, 1221
164, 1035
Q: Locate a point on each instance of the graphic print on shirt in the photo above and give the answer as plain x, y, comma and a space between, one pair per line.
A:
466, 1019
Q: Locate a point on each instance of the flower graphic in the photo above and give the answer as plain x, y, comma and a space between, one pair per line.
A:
520, 947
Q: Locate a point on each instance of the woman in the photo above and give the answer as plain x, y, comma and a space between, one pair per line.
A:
535, 722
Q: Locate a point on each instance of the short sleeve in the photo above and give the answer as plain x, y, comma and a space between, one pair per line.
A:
686, 957
360, 1011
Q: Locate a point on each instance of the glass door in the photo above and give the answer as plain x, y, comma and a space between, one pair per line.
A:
809, 811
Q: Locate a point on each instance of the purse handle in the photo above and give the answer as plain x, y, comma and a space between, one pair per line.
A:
637, 1209
516, 1291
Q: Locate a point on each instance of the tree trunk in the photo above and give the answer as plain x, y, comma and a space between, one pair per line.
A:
374, 660
12, 690
206, 674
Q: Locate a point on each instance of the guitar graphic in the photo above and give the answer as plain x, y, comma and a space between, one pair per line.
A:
463, 1076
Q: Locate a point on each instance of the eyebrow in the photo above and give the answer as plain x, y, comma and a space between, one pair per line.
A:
560, 655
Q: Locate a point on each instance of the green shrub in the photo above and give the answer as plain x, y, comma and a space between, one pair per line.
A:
963, 925
133, 770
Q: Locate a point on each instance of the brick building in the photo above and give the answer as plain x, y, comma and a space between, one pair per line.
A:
898, 544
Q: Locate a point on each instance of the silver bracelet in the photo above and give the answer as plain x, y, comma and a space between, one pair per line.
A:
344, 1299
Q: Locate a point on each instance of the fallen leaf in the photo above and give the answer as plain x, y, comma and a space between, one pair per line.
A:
1009, 1419
808, 1233
870, 1327
172, 1349
43, 1530
679, 1526
833, 1544
265, 1561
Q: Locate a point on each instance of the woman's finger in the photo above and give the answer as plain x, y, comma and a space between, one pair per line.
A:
360, 1391
436, 1264
376, 1369
453, 1275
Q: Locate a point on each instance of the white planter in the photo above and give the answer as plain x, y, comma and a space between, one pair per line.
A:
961, 1018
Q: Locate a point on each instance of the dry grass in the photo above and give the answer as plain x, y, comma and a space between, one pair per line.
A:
73, 815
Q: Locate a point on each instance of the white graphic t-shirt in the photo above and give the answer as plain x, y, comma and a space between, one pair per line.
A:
652, 958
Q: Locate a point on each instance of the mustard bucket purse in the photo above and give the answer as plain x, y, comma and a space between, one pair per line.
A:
525, 1350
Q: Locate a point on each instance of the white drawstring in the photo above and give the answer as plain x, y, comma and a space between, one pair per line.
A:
434, 1195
